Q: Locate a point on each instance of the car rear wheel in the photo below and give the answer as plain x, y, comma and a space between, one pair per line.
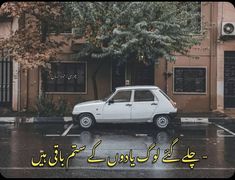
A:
161, 121
86, 121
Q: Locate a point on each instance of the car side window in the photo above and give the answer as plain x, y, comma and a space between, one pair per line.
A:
143, 95
122, 96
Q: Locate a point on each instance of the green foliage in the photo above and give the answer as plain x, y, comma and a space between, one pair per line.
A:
145, 30
80, 99
46, 107
62, 107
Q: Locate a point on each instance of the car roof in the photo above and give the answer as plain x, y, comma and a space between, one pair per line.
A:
136, 87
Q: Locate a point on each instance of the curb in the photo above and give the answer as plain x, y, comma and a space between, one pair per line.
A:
35, 119
7, 119
222, 120
194, 119
207, 120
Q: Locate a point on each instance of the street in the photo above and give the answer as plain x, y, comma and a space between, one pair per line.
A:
68, 67
201, 150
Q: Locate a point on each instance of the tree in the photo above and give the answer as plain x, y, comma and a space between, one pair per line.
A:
30, 45
145, 30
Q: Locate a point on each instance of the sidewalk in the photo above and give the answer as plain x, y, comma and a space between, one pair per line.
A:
201, 117
7, 116
35, 119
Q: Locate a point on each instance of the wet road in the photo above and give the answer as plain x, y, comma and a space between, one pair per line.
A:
194, 150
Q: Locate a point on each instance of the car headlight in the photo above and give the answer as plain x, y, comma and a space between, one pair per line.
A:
75, 109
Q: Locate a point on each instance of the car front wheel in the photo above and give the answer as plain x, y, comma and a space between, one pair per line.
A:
86, 121
161, 121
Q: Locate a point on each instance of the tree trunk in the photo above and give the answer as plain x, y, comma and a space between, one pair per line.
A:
44, 31
94, 75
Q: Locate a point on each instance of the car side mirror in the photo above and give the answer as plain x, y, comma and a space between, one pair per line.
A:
110, 102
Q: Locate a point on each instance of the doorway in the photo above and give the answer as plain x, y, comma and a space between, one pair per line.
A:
229, 79
142, 74
137, 72
5, 80
118, 74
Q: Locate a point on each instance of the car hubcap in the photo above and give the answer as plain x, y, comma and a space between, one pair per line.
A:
162, 122
86, 122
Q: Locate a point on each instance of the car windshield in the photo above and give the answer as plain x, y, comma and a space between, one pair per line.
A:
106, 98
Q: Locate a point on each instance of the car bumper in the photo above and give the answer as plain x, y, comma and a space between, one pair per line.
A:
74, 117
173, 114
174, 118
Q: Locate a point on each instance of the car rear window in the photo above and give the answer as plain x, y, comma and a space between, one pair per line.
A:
165, 95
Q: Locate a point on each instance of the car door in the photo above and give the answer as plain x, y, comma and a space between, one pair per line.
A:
119, 111
143, 106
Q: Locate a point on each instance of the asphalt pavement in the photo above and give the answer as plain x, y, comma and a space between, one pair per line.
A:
63, 150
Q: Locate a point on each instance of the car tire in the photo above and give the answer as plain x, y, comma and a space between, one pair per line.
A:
161, 121
86, 121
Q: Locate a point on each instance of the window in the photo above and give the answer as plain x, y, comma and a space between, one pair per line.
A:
65, 77
143, 95
190, 80
122, 96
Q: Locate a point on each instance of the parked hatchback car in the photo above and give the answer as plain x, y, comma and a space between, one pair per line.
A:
130, 104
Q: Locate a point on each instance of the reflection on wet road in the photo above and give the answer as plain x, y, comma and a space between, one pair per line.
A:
211, 146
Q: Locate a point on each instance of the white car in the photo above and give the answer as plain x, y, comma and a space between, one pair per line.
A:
130, 104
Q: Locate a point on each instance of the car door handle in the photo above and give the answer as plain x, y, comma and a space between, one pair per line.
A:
128, 104
154, 104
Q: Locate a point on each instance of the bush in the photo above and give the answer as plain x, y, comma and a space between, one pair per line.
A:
46, 107
62, 107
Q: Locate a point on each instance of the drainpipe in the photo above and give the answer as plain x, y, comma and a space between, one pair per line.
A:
211, 54
27, 93
166, 76
19, 89
39, 82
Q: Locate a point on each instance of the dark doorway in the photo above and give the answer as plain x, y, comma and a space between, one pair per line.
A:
142, 74
5, 80
118, 74
229, 79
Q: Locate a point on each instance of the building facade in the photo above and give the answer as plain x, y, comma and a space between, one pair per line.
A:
225, 59
9, 68
196, 85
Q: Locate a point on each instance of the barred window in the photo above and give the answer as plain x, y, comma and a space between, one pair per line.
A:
190, 80
65, 77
